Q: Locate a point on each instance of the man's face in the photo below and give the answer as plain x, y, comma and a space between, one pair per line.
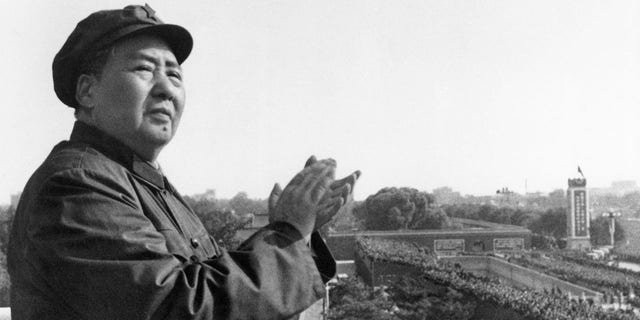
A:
139, 96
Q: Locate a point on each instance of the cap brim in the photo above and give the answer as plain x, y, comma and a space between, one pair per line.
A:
177, 37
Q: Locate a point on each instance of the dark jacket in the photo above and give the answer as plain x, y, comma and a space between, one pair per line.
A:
101, 234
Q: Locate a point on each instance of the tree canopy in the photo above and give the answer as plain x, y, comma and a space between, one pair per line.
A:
552, 222
401, 208
221, 223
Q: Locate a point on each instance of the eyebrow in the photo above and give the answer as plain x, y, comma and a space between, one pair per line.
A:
145, 56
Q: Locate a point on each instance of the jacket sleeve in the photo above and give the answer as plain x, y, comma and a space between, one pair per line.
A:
99, 254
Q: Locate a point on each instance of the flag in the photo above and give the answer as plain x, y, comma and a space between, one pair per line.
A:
580, 171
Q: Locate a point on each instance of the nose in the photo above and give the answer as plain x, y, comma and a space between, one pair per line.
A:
164, 88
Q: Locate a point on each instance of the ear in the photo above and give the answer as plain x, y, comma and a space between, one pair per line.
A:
85, 91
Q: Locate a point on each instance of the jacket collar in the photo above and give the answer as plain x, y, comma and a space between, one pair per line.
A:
117, 151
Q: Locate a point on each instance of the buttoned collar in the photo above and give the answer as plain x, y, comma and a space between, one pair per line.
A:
117, 151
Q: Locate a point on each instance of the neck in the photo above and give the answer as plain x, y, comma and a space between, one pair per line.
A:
146, 153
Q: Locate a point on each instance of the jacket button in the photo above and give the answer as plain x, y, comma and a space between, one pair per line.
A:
195, 243
195, 258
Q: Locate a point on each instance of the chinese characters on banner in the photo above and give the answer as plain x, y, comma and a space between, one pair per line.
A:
448, 247
508, 244
580, 201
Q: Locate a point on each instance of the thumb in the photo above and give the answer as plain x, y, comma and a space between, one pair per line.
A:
274, 197
310, 161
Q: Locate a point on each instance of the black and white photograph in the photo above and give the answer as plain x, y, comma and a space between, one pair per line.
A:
320, 160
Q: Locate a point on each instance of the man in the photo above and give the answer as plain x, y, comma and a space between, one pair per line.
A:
100, 233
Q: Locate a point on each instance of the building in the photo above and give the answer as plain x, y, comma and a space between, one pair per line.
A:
446, 195
618, 188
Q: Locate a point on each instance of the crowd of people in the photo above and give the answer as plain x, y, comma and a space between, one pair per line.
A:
395, 251
609, 281
530, 304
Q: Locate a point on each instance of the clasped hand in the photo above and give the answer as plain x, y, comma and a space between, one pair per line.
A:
312, 197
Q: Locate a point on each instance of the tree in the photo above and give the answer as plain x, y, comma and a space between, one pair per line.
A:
6, 222
488, 213
552, 222
241, 204
400, 208
221, 223
465, 211
599, 231
7, 214
432, 218
557, 199
524, 218
5, 283
345, 218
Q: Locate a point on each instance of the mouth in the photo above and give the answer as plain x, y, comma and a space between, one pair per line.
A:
160, 114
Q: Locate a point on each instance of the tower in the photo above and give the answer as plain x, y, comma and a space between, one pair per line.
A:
578, 217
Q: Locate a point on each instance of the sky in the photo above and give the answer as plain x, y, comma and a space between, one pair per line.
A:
475, 95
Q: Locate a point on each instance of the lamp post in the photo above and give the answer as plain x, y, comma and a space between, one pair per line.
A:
612, 215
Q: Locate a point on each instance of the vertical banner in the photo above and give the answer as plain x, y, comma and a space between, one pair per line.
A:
580, 214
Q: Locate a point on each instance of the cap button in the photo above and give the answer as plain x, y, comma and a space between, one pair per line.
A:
151, 14
195, 243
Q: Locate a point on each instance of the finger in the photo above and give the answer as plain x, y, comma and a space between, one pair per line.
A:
310, 161
350, 179
326, 162
328, 212
317, 172
305, 174
296, 180
329, 203
274, 196
357, 173
312, 168
300, 181
330, 161
320, 189
337, 184
342, 192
